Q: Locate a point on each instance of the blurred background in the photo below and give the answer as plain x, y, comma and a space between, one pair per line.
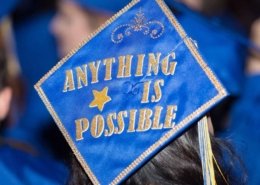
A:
36, 34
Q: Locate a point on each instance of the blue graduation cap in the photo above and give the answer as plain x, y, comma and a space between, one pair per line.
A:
130, 89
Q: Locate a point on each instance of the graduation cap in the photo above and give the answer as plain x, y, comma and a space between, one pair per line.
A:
129, 90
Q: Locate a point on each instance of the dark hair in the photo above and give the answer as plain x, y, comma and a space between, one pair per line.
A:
3, 69
245, 11
27, 9
179, 164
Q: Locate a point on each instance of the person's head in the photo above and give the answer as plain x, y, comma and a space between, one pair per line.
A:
5, 90
73, 23
179, 163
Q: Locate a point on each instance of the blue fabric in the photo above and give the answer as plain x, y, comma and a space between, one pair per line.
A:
218, 44
244, 129
6, 7
20, 168
221, 48
105, 5
107, 148
36, 52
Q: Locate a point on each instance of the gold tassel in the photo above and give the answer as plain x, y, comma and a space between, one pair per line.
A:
206, 153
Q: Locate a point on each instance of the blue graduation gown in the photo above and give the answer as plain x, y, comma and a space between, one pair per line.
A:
21, 168
244, 129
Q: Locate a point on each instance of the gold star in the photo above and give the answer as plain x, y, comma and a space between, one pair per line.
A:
100, 99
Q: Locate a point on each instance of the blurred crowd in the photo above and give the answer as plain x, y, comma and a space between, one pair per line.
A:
35, 35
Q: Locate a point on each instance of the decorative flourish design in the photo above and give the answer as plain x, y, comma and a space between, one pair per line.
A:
153, 28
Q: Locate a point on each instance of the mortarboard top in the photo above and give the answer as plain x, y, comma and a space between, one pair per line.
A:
134, 86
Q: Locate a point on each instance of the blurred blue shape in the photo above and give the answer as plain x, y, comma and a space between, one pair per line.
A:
105, 5
217, 44
7, 6
19, 168
244, 129
225, 51
36, 51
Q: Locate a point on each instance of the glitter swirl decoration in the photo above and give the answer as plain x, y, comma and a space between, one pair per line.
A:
154, 29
